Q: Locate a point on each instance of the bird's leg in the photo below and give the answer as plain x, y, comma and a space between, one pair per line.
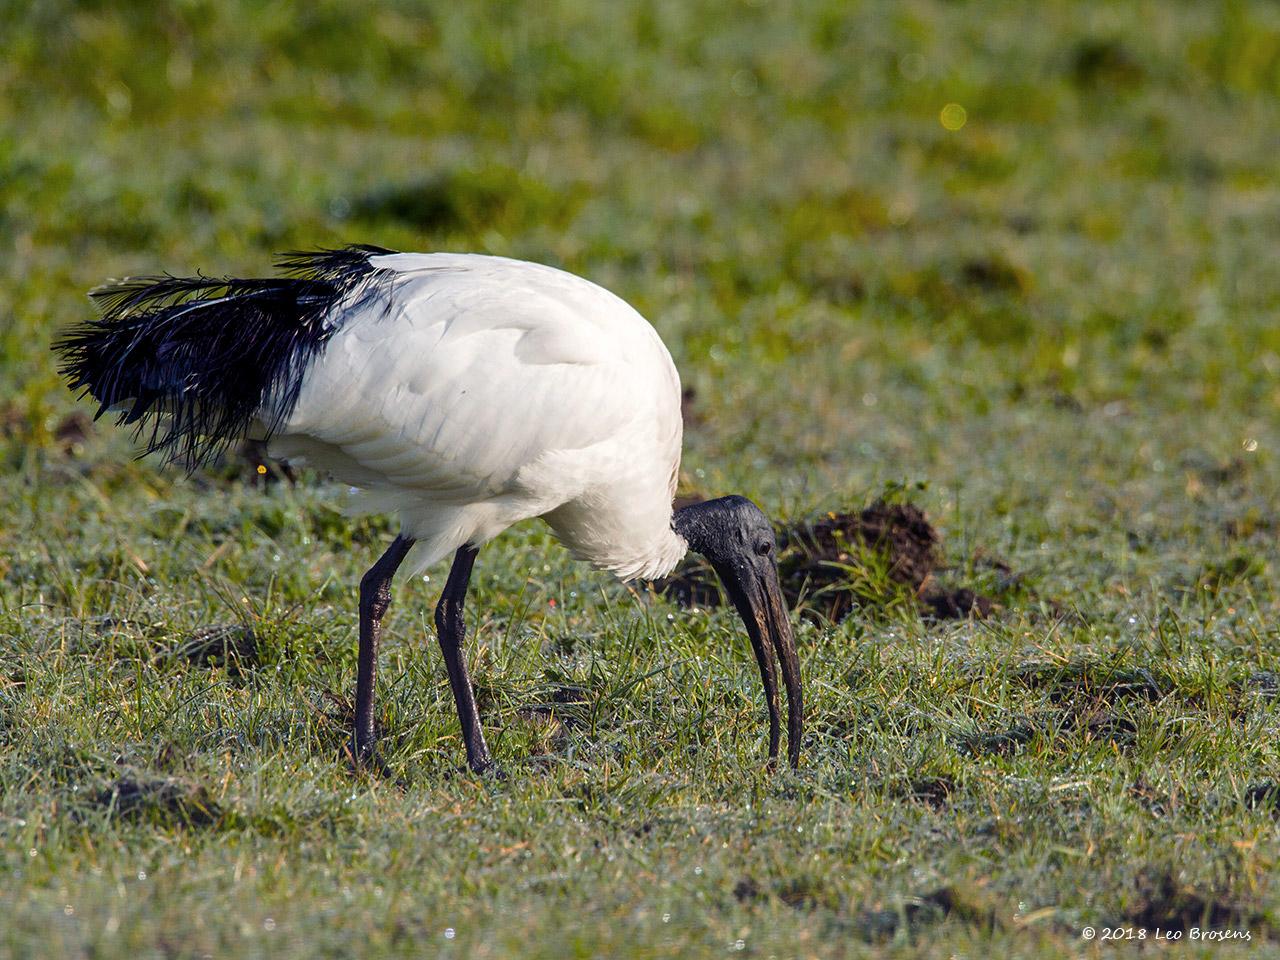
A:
375, 597
451, 628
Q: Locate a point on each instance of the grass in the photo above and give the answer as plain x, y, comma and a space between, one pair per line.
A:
1055, 327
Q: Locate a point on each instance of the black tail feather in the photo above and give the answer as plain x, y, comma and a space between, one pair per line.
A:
193, 360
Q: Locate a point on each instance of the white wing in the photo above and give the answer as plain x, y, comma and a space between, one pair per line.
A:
491, 390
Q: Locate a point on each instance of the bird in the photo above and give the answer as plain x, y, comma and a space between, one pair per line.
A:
461, 392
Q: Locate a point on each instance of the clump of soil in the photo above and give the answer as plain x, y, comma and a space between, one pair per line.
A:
1079, 681
164, 799
934, 791
878, 926
835, 562
957, 604
563, 702
72, 431
1001, 743
555, 711
694, 585
1264, 796
1153, 800
747, 890
1087, 697
1165, 903
806, 892
815, 558
232, 647
1097, 62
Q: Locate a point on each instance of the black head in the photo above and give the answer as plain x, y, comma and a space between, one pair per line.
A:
730, 530
738, 540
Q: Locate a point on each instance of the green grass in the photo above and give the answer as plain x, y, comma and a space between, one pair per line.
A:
1060, 319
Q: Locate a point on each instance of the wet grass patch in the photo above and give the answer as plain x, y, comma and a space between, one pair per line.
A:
159, 802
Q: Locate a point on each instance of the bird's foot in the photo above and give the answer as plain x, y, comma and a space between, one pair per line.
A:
484, 768
364, 758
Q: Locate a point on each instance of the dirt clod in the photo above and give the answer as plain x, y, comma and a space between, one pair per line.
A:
1153, 800
815, 557
931, 908
1163, 901
231, 646
563, 702
1002, 743
1104, 62
1083, 680
993, 273
934, 791
689, 408
73, 430
1264, 684
805, 892
693, 585
166, 799
957, 604
1264, 796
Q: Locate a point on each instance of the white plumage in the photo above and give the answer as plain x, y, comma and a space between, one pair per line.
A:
464, 393
486, 391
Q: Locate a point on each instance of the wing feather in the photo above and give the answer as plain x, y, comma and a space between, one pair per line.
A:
481, 369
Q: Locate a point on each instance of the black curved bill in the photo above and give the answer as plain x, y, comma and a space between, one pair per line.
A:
757, 594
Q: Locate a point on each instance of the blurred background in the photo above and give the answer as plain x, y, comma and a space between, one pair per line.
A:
884, 240
1085, 191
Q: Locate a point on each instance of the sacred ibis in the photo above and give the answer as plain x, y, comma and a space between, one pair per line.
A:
464, 393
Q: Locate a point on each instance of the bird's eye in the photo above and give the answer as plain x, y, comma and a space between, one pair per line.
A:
764, 548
